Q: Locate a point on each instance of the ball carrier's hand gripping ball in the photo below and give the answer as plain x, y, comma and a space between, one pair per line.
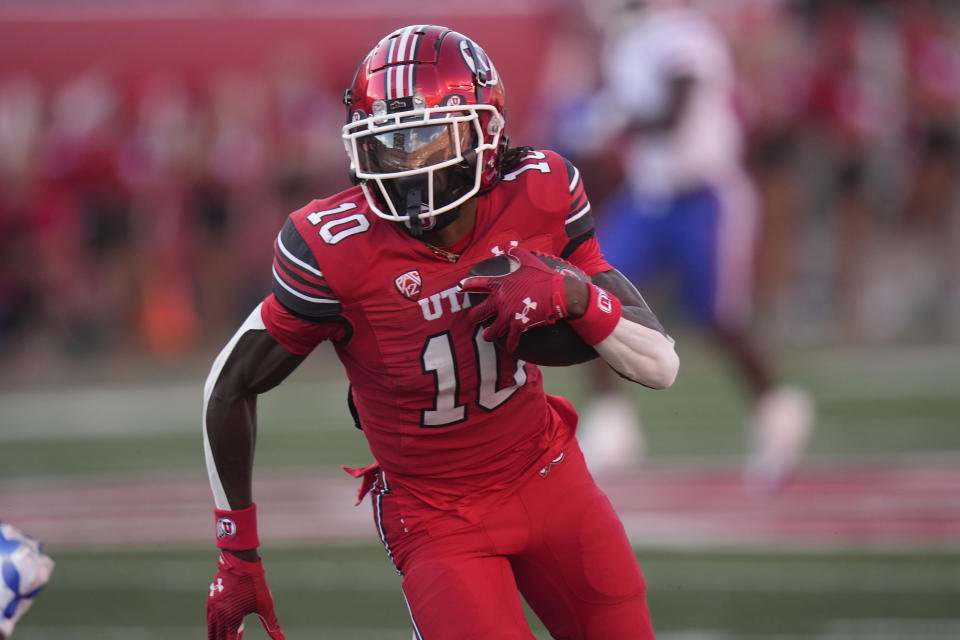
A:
526, 314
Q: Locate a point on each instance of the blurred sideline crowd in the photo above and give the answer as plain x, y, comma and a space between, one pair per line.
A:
852, 120
140, 216
143, 216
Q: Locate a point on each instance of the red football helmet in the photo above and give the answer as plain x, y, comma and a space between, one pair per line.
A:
424, 125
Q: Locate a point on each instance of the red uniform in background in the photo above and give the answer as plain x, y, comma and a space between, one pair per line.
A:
454, 422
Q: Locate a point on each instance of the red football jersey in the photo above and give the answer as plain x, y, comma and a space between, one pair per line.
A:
446, 413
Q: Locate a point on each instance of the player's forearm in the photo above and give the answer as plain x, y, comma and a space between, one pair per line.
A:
231, 431
230, 438
640, 354
638, 348
229, 423
251, 363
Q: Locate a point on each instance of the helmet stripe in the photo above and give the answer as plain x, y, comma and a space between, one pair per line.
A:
393, 43
404, 40
386, 85
386, 76
399, 78
414, 47
403, 56
410, 39
416, 41
401, 40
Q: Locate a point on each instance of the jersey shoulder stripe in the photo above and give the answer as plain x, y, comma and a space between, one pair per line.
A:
298, 282
579, 219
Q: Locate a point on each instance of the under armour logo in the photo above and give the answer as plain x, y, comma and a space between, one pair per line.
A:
216, 587
528, 305
497, 251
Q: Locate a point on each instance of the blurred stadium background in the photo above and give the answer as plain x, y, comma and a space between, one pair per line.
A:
149, 151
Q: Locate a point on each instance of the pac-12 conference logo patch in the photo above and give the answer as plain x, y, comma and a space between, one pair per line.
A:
226, 527
408, 284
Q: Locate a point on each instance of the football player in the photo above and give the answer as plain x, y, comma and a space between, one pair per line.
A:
479, 489
24, 571
687, 209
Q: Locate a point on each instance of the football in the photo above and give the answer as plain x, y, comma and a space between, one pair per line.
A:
24, 570
552, 345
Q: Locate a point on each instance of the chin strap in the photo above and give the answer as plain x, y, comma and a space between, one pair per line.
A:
415, 225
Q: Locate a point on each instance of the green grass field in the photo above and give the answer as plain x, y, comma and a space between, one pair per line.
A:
351, 592
887, 406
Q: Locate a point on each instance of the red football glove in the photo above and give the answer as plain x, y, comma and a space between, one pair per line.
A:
531, 295
239, 588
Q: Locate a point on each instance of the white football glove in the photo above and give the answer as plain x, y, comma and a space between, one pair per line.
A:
24, 570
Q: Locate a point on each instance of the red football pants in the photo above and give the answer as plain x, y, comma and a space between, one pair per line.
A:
557, 540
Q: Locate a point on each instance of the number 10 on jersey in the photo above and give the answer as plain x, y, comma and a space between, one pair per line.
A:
439, 359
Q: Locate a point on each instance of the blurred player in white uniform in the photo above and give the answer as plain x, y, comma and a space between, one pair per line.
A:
687, 209
24, 570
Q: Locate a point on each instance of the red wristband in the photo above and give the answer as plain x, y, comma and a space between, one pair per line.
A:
237, 530
602, 315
